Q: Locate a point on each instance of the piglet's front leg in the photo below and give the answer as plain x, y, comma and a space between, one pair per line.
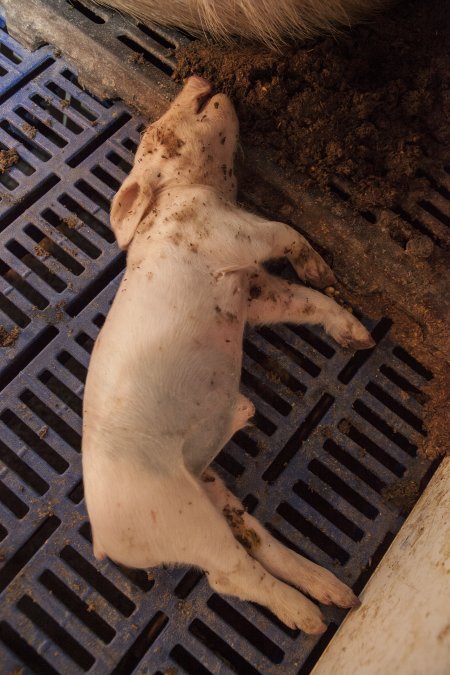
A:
273, 300
271, 239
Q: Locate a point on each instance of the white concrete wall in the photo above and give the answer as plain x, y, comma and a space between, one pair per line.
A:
403, 626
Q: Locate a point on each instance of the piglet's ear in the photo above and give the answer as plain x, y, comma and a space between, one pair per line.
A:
128, 207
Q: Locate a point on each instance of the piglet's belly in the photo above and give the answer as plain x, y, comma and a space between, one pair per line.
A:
160, 405
177, 326
163, 393
166, 365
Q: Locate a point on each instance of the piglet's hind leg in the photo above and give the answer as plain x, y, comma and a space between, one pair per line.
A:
277, 559
206, 540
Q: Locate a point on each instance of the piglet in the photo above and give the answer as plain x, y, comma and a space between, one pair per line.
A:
162, 394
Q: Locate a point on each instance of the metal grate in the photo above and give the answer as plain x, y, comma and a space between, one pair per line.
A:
332, 429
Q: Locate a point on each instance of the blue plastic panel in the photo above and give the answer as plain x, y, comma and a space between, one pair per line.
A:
332, 429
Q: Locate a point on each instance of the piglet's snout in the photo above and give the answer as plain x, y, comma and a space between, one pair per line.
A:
196, 90
197, 96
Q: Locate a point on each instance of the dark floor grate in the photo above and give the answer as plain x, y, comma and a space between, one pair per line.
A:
332, 430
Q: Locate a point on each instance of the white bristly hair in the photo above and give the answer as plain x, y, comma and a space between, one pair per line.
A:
265, 21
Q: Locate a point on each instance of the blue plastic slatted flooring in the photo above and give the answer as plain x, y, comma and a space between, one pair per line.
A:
331, 431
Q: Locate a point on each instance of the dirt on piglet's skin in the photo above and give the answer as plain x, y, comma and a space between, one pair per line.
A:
246, 536
369, 109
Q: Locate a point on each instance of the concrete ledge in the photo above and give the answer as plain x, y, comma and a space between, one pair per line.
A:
403, 627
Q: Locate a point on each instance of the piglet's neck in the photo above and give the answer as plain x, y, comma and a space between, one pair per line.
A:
177, 189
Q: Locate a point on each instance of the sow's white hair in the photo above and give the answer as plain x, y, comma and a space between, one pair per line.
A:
268, 21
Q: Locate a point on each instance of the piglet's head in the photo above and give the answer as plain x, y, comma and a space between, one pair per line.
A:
193, 143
